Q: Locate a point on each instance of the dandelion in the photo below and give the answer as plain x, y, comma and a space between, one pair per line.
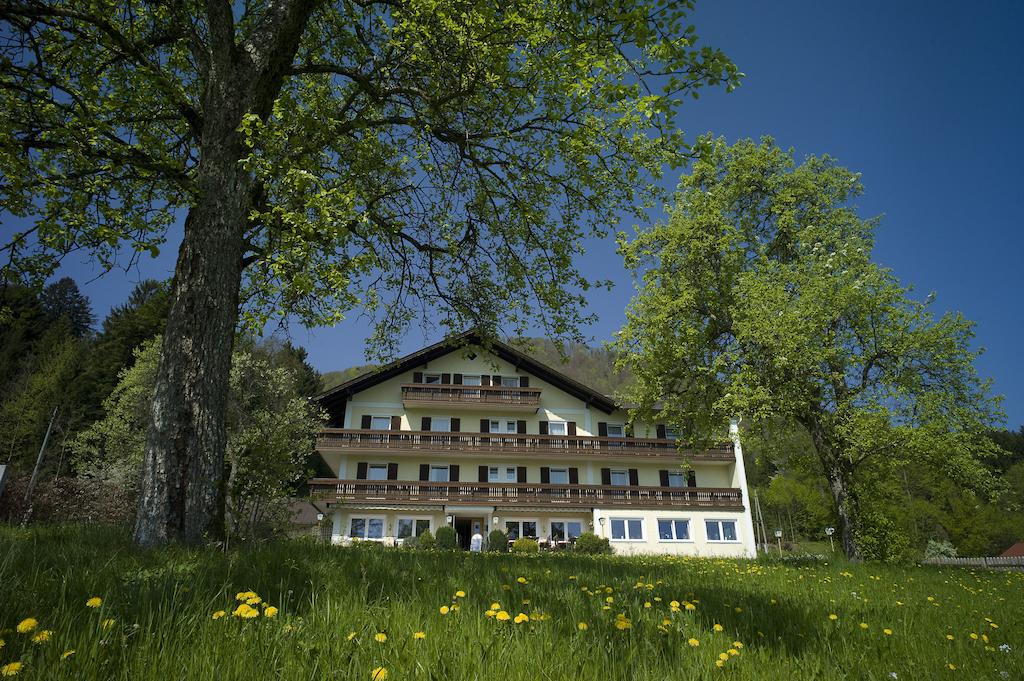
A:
351, 635
270, 611
460, 594
94, 602
693, 642
623, 624
833, 616
244, 610
718, 627
43, 636
738, 610
737, 644
107, 623
444, 609
863, 625
949, 637
217, 615
380, 637
521, 617
11, 669
674, 604
495, 606
521, 580
984, 637
502, 616
973, 636
720, 663
952, 667
419, 636
610, 599
582, 626
66, 654
27, 625
887, 632
378, 674
647, 604
691, 606
490, 613
723, 656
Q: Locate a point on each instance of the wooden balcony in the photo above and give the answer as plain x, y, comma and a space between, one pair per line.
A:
469, 396
359, 492
518, 446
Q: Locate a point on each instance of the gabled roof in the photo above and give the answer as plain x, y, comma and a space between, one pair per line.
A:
1015, 550
336, 396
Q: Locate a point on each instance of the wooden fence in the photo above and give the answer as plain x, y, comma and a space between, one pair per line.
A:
1001, 562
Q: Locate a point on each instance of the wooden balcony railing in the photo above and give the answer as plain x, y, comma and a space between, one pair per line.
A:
522, 494
493, 444
470, 396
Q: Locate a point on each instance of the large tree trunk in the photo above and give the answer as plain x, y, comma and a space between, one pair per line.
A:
839, 475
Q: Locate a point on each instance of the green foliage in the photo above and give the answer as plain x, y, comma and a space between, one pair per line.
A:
497, 541
939, 548
594, 367
335, 378
525, 545
590, 543
63, 300
426, 540
446, 538
760, 300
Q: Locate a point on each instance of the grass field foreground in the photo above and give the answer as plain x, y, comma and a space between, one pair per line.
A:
84, 604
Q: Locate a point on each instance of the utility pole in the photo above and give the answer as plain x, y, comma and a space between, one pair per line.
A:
760, 518
39, 463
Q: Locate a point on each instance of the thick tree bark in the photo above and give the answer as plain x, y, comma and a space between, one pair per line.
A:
839, 475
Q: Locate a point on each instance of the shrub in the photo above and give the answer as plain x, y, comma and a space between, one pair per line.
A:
446, 538
497, 541
426, 540
939, 548
525, 545
588, 542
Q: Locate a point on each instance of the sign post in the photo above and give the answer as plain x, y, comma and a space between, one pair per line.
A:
830, 531
778, 537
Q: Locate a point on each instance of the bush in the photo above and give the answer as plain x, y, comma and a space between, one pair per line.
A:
497, 541
525, 545
939, 548
588, 542
426, 540
446, 538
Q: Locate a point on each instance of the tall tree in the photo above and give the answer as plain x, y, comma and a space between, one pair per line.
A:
403, 156
63, 300
759, 299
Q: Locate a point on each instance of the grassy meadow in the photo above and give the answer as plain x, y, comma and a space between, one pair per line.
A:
296, 610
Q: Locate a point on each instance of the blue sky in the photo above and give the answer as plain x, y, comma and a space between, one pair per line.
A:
925, 99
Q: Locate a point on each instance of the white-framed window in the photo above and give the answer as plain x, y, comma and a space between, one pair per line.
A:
676, 479
377, 471
557, 428
616, 430
440, 424
439, 473
627, 529
412, 527
471, 379
432, 378
501, 474
380, 423
366, 527
562, 530
505, 426
721, 530
509, 381
558, 476
673, 529
521, 528
619, 476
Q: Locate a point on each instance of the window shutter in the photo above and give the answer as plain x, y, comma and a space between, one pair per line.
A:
496, 381
485, 425
457, 379
661, 431
361, 470
483, 473
574, 476
543, 425
545, 475
366, 422
417, 377
521, 474
524, 381
606, 476
521, 427
664, 477
456, 424
485, 380
396, 423
392, 471
634, 477
691, 479
446, 379
424, 471
602, 429
453, 473
425, 423
571, 428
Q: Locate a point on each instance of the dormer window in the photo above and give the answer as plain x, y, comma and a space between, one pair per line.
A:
471, 379
509, 381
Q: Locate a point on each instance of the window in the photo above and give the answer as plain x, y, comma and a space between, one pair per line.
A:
503, 426
441, 424
721, 530
439, 474
377, 471
366, 528
380, 423
620, 476
628, 529
412, 527
431, 378
558, 476
557, 428
671, 433
501, 474
562, 530
673, 530
676, 479
509, 381
521, 528
616, 430
468, 379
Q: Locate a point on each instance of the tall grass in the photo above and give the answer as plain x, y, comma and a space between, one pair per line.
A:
332, 603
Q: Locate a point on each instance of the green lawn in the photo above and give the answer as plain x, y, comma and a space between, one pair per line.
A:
766, 620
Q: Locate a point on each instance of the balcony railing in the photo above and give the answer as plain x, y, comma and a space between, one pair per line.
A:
470, 396
493, 444
522, 494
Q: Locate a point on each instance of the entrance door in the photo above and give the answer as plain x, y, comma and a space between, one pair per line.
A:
466, 527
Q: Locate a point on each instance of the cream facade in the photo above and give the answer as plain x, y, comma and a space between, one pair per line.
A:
491, 439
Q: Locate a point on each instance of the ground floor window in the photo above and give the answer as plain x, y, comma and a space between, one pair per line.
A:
566, 529
673, 530
721, 530
366, 528
521, 528
631, 529
412, 527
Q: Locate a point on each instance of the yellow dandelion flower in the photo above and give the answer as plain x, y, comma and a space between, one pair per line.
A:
833, 616
502, 616
665, 622
419, 636
270, 611
11, 669
351, 635
217, 615
723, 656
694, 642
674, 604
94, 602
863, 625
887, 632
66, 654
733, 652
43, 636
951, 666
495, 606
444, 610
253, 600
691, 606
610, 599
720, 663
27, 625
623, 624
491, 613
582, 626
737, 644
2, 643
738, 609
521, 580
380, 637
647, 604
460, 594
107, 623
521, 617
984, 637
245, 611
993, 625
718, 627
973, 636
949, 637
378, 674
